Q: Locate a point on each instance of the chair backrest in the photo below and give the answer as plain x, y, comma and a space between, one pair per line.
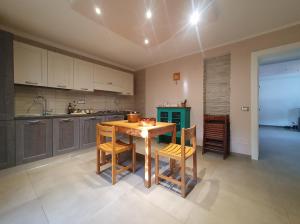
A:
103, 131
188, 134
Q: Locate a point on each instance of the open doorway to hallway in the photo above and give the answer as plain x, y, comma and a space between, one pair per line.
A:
279, 107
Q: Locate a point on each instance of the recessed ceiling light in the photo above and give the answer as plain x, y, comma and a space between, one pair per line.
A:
98, 10
146, 41
148, 14
195, 18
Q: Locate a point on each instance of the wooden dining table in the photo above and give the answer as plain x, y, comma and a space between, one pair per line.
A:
136, 130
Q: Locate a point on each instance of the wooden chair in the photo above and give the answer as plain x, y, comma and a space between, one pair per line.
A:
179, 153
115, 147
216, 134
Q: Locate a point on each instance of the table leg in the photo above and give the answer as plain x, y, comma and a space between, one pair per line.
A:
147, 162
130, 139
172, 161
133, 155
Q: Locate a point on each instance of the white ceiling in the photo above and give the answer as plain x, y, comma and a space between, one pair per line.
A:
227, 21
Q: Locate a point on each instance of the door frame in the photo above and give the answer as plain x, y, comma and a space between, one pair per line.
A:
255, 59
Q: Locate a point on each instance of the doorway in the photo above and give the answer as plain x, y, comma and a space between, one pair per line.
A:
262, 58
279, 107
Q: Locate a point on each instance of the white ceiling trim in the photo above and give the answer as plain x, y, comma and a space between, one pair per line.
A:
51, 43
222, 45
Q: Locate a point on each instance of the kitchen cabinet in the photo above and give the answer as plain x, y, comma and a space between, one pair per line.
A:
33, 140
127, 83
7, 144
88, 130
7, 92
30, 65
117, 117
107, 79
7, 123
65, 135
83, 75
60, 71
178, 115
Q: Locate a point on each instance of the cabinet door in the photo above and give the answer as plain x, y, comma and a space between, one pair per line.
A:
65, 135
117, 117
7, 144
30, 65
106, 79
176, 117
60, 71
83, 75
88, 131
33, 140
164, 116
127, 83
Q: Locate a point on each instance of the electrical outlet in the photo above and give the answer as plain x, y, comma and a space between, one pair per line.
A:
245, 108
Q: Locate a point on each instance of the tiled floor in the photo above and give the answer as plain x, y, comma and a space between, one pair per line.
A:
65, 189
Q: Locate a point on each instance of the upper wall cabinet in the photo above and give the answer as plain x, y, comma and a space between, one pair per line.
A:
83, 75
39, 67
106, 79
60, 71
127, 83
109, 79
30, 64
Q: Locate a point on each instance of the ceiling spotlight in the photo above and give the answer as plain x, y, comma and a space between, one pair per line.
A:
195, 18
98, 10
148, 14
146, 41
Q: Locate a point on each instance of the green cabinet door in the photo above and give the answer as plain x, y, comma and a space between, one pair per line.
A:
178, 115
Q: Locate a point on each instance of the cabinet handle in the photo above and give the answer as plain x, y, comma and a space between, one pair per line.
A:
91, 118
85, 89
34, 122
61, 86
31, 83
109, 83
66, 120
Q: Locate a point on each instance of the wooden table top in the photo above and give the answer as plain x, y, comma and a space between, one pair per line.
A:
136, 126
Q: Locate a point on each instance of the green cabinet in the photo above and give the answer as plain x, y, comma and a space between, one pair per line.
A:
178, 115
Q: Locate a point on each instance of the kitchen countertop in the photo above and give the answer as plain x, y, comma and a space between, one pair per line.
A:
29, 117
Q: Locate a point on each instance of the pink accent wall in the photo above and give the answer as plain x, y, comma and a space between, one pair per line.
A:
160, 87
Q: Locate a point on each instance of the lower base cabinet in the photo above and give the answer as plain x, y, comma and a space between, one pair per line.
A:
37, 139
33, 140
114, 117
7, 144
88, 130
65, 135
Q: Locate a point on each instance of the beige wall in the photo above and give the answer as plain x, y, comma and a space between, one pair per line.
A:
160, 87
139, 91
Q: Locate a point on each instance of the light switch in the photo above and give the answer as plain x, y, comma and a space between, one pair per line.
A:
245, 108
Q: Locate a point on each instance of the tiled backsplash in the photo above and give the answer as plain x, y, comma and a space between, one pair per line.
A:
57, 100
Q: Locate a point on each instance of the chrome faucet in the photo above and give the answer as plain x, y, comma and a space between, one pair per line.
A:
37, 100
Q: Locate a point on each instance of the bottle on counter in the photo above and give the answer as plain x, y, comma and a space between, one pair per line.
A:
70, 108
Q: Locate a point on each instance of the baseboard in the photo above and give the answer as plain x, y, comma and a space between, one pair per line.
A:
271, 126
